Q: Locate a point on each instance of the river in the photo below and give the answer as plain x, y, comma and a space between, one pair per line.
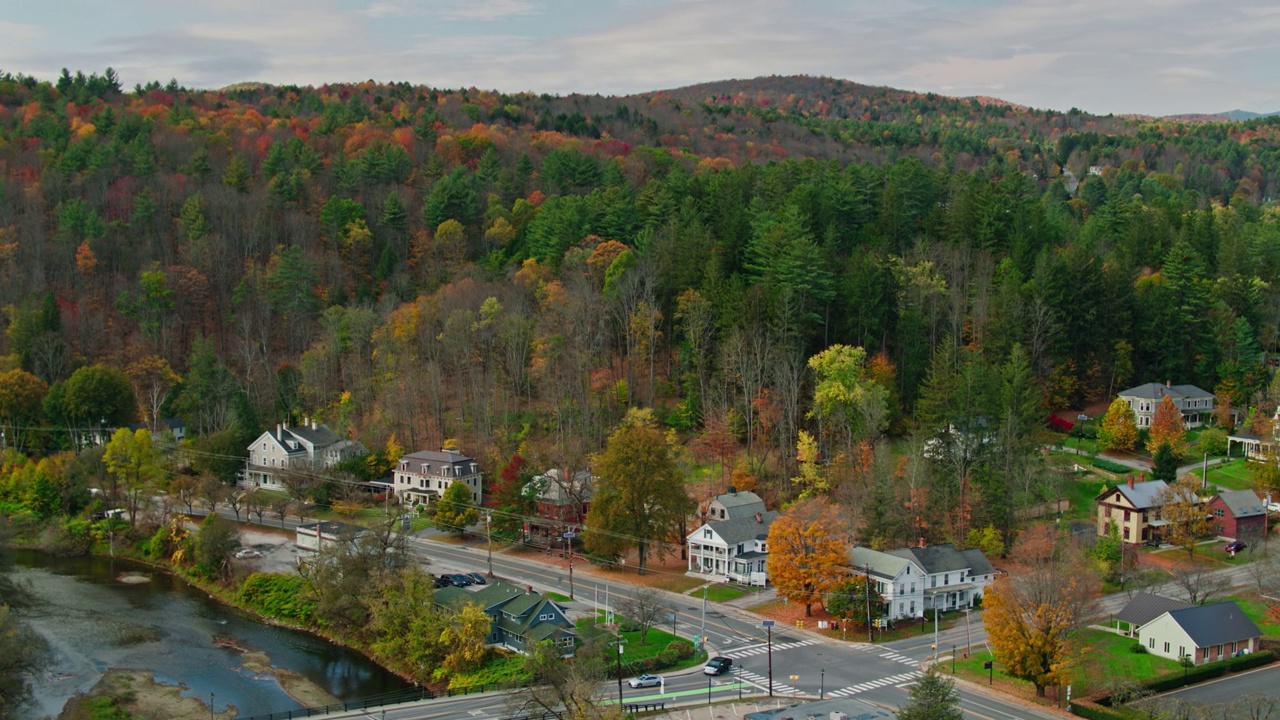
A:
94, 622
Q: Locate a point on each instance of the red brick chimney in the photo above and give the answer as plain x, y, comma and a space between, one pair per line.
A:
759, 517
1130, 482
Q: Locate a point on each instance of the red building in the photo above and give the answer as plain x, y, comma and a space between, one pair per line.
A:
562, 504
1239, 515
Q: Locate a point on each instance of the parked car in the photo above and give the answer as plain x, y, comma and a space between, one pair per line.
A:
246, 553
477, 578
718, 665
1273, 507
443, 581
460, 580
1235, 546
645, 681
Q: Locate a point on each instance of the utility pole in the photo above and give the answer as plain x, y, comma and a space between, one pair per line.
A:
568, 543
935, 628
488, 536
619, 656
871, 634
768, 626
968, 645
702, 631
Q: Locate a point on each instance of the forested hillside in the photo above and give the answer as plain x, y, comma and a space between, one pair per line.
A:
508, 269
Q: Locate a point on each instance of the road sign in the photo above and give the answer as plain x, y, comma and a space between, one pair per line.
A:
766, 623
571, 534
986, 665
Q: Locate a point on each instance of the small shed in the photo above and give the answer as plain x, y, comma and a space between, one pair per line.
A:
314, 536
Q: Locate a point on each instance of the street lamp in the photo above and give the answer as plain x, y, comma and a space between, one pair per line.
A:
822, 684
768, 627
1080, 432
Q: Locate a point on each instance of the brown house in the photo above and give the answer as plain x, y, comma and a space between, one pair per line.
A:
1238, 514
1134, 508
561, 503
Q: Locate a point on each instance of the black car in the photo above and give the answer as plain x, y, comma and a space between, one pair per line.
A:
477, 578
718, 666
460, 580
443, 581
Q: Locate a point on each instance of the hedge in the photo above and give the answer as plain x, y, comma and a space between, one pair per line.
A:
1094, 711
1212, 670
1111, 467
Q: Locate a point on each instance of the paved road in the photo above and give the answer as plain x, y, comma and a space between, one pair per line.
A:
1262, 681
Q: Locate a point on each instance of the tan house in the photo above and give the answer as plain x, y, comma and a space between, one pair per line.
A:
1203, 633
1134, 508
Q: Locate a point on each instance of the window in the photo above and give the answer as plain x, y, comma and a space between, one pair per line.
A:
1166, 645
1218, 513
1126, 516
1151, 643
946, 579
1126, 533
933, 581
706, 533
900, 609
913, 607
908, 569
913, 588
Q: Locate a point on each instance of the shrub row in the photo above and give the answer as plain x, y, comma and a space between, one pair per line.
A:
1111, 467
1212, 670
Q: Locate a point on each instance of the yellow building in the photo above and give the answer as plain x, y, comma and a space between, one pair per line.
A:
1134, 508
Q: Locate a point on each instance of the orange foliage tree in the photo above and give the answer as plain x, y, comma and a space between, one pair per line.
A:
1167, 428
1035, 619
806, 552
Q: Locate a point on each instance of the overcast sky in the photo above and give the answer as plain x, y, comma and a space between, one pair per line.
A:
1155, 57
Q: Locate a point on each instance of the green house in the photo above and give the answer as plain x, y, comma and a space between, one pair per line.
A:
521, 618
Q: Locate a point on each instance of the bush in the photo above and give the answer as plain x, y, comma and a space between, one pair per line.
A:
283, 597
1137, 649
1093, 711
1111, 467
1213, 441
1211, 670
680, 649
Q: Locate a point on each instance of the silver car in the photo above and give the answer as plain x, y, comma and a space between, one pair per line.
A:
645, 681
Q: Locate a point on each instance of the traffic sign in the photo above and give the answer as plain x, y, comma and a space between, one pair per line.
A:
570, 534
766, 623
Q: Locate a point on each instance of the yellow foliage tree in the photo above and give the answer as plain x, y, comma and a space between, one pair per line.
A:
464, 640
807, 552
811, 479
1034, 619
1187, 516
1119, 427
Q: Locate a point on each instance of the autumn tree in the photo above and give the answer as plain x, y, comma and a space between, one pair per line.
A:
1118, 429
1187, 515
845, 401
640, 498
513, 499
152, 379
21, 395
807, 552
1034, 619
455, 511
1167, 428
132, 459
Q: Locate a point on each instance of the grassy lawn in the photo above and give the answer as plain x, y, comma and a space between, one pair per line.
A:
1257, 612
1215, 552
1081, 493
721, 593
1232, 476
503, 670
1108, 657
655, 642
556, 596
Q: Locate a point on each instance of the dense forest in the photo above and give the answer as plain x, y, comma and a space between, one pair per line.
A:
516, 272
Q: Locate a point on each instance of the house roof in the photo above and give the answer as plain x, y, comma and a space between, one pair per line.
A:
556, 490
1157, 391
739, 503
881, 563
978, 563
742, 529
1242, 503
1215, 624
1145, 607
1142, 495
437, 456
942, 558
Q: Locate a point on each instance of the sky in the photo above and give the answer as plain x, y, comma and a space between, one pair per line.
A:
1153, 57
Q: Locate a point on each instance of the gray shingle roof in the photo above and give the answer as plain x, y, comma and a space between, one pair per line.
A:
1142, 495
743, 529
978, 563
742, 503
1215, 624
1156, 391
1242, 503
318, 436
1145, 607
939, 558
882, 564
437, 456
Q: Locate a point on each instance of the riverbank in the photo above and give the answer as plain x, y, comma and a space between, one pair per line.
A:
142, 697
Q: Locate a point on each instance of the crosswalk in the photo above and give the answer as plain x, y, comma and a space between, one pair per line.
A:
762, 682
764, 648
891, 655
873, 684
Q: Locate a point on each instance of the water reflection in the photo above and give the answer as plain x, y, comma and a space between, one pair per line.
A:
94, 622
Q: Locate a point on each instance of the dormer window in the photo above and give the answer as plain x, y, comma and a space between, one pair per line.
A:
474, 469
706, 533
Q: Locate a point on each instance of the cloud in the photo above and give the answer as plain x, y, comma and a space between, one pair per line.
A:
453, 10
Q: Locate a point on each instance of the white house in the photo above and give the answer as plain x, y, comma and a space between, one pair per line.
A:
314, 536
422, 476
1196, 404
734, 543
311, 445
1205, 633
913, 579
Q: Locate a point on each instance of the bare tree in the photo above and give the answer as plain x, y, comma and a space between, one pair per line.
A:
1199, 582
186, 489
255, 503
647, 607
211, 491
236, 501
280, 508
573, 689
297, 484
1264, 569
